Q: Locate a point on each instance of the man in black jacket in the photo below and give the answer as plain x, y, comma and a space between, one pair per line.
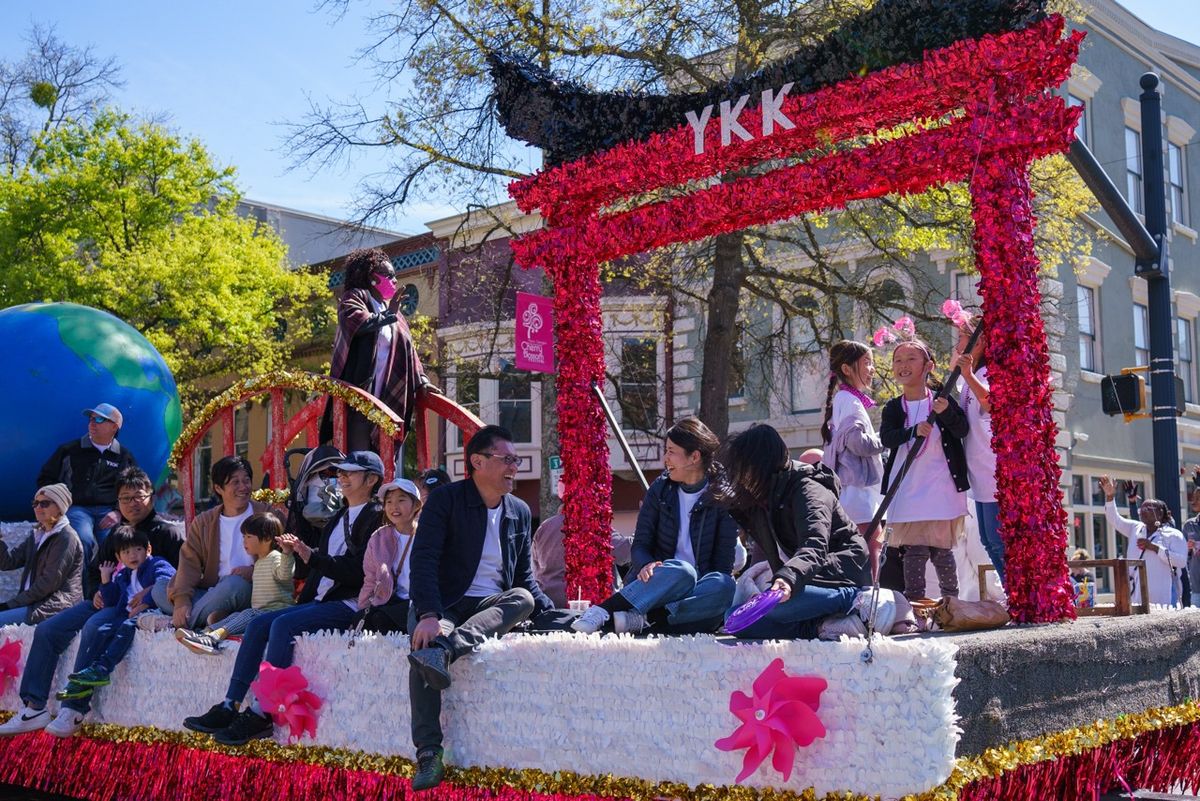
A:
680, 581
89, 466
327, 602
470, 578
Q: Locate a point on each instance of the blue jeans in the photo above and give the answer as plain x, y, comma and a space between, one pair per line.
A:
14, 616
274, 634
230, 594
51, 637
85, 519
987, 515
797, 617
693, 605
101, 631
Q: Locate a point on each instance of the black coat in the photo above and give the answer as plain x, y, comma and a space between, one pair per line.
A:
713, 532
445, 554
346, 570
804, 520
166, 538
953, 424
90, 474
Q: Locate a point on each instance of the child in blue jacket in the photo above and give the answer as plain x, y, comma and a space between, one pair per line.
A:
127, 588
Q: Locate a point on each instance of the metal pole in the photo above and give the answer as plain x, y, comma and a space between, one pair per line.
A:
1112, 201
612, 421
1158, 291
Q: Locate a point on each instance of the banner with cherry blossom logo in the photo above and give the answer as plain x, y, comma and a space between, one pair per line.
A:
535, 333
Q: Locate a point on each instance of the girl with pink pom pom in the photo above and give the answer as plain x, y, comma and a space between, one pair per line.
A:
927, 511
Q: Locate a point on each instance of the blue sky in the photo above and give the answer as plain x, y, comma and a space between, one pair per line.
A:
230, 72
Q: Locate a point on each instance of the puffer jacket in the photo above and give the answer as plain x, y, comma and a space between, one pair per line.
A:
804, 522
54, 573
713, 532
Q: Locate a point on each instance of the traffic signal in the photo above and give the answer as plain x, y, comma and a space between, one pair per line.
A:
1123, 394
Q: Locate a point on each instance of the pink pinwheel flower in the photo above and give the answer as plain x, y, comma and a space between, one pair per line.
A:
284, 695
10, 662
781, 716
883, 336
905, 326
957, 314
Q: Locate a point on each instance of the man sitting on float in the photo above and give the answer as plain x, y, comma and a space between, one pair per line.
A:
818, 559
470, 578
683, 548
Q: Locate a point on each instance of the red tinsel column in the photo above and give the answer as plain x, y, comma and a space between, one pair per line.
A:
1032, 520
582, 431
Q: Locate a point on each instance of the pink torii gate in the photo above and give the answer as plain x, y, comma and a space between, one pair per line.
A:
977, 111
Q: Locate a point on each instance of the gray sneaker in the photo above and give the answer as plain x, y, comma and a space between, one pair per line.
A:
630, 622
200, 643
153, 621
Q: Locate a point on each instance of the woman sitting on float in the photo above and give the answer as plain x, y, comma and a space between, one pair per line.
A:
817, 556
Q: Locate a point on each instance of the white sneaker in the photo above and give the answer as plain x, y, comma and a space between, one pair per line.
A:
885, 609
631, 622
26, 720
834, 627
66, 723
153, 621
591, 621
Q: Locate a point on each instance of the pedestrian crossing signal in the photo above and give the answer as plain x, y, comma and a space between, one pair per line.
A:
1123, 394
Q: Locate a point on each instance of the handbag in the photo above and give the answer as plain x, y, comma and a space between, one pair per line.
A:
955, 614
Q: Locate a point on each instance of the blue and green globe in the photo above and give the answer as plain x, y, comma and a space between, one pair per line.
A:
58, 359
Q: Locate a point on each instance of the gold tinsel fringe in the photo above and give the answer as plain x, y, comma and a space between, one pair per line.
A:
283, 379
992, 762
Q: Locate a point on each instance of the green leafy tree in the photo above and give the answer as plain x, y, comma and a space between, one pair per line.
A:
127, 217
440, 135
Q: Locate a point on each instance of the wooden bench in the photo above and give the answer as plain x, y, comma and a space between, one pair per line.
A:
1123, 603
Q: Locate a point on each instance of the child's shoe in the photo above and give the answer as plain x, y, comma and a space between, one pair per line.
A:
66, 724
200, 643
153, 620
90, 677
74, 690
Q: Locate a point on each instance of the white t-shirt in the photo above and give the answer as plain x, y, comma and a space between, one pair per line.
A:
135, 587
383, 349
860, 503
981, 460
400, 571
928, 491
683, 545
337, 547
233, 551
491, 568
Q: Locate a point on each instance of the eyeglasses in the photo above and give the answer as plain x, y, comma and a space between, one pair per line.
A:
131, 498
42, 504
97, 419
511, 461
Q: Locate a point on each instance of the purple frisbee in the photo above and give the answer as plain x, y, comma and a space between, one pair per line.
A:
753, 610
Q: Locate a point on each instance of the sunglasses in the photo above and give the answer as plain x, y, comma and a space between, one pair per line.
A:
508, 460
97, 419
42, 504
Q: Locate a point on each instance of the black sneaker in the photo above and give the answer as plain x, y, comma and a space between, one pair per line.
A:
433, 663
430, 770
247, 726
215, 719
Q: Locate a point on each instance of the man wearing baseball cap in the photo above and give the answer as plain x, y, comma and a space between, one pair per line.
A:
89, 466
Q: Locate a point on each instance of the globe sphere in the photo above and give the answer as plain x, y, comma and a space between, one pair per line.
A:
58, 359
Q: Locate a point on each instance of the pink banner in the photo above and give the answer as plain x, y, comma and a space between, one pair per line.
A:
535, 333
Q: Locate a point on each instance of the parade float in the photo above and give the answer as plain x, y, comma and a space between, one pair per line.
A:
1046, 708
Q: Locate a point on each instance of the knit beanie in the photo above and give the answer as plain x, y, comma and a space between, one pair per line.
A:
60, 494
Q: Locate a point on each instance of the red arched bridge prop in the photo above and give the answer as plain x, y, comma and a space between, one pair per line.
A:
977, 111
284, 429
